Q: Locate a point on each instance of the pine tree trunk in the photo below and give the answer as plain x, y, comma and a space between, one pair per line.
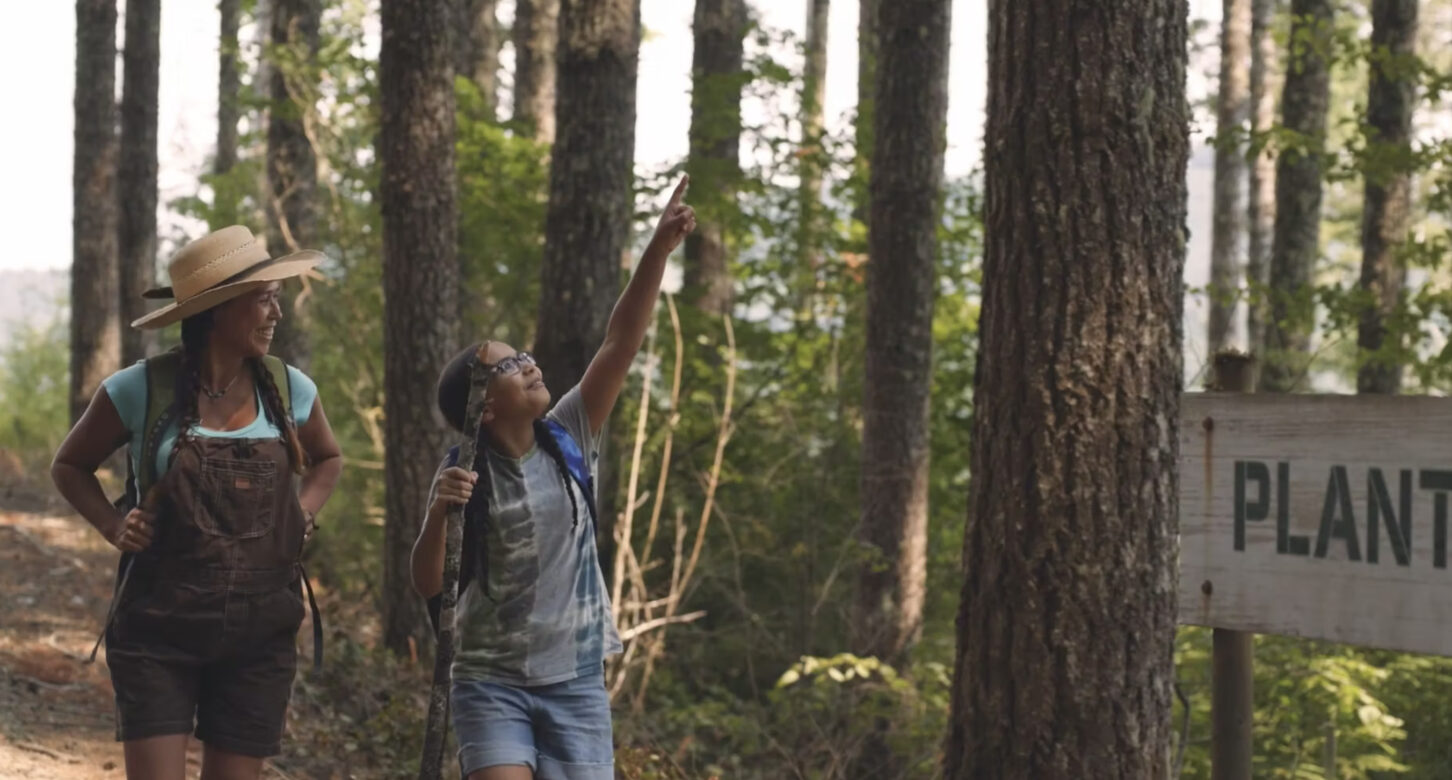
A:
814, 97
715, 136
1233, 111
1296, 243
1067, 623
912, 87
588, 219
228, 111
416, 149
292, 167
867, 11
95, 332
476, 48
1386, 212
136, 182
1262, 197
536, 36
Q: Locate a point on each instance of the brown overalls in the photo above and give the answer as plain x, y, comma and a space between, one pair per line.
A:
205, 632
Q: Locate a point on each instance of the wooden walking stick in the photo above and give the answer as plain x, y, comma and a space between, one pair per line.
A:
431, 767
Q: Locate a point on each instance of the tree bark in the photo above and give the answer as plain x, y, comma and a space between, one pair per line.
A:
95, 332
136, 182
588, 218
1232, 113
867, 46
912, 89
1296, 243
1067, 623
814, 97
536, 37
1262, 196
292, 166
416, 149
476, 48
1386, 213
228, 111
715, 141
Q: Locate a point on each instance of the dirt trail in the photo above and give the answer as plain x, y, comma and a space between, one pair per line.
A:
56, 717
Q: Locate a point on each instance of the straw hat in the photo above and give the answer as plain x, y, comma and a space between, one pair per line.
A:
219, 267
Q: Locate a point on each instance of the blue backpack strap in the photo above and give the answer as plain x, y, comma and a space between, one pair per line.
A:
575, 461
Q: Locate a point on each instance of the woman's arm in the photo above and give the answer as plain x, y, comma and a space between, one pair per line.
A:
631, 318
326, 459
95, 436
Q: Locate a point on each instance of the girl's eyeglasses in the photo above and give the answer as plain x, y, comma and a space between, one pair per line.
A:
512, 364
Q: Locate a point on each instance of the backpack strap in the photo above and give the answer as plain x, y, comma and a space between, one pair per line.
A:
161, 412
575, 461
282, 378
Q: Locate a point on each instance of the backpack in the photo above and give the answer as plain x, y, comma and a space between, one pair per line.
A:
471, 564
161, 413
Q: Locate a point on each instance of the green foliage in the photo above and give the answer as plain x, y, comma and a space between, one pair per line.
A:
1309, 692
34, 386
811, 723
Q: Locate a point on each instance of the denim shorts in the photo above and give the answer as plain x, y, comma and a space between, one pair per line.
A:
560, 731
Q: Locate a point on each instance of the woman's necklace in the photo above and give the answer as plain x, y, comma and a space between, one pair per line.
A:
216, 394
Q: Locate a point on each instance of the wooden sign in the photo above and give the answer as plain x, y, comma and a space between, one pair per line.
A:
1318, 516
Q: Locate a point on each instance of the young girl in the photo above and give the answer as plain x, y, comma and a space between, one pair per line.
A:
205, 629
534, 627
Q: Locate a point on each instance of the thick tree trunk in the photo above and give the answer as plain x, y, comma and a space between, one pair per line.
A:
1233, 111
588, 219
292, 166
136, 182
416, 149
1262, 198
1296, 243
1386, 213
476, 48
536, 36
1067, 624
95, 332
715, 136
814, 98
228, 110
867, 11
912, 91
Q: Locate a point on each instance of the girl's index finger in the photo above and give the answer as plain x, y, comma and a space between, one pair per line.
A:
680, 192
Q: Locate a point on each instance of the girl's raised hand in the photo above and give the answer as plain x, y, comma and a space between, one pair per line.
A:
676, 222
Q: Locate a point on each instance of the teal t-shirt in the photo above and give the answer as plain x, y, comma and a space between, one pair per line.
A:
127, 390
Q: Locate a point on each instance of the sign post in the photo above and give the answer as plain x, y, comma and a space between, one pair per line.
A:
1232, 697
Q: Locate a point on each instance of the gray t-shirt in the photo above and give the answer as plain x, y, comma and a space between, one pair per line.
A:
546, 617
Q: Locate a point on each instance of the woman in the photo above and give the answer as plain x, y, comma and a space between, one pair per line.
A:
535, 626
203, 635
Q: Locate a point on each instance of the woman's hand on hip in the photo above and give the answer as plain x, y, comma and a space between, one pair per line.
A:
134, 532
